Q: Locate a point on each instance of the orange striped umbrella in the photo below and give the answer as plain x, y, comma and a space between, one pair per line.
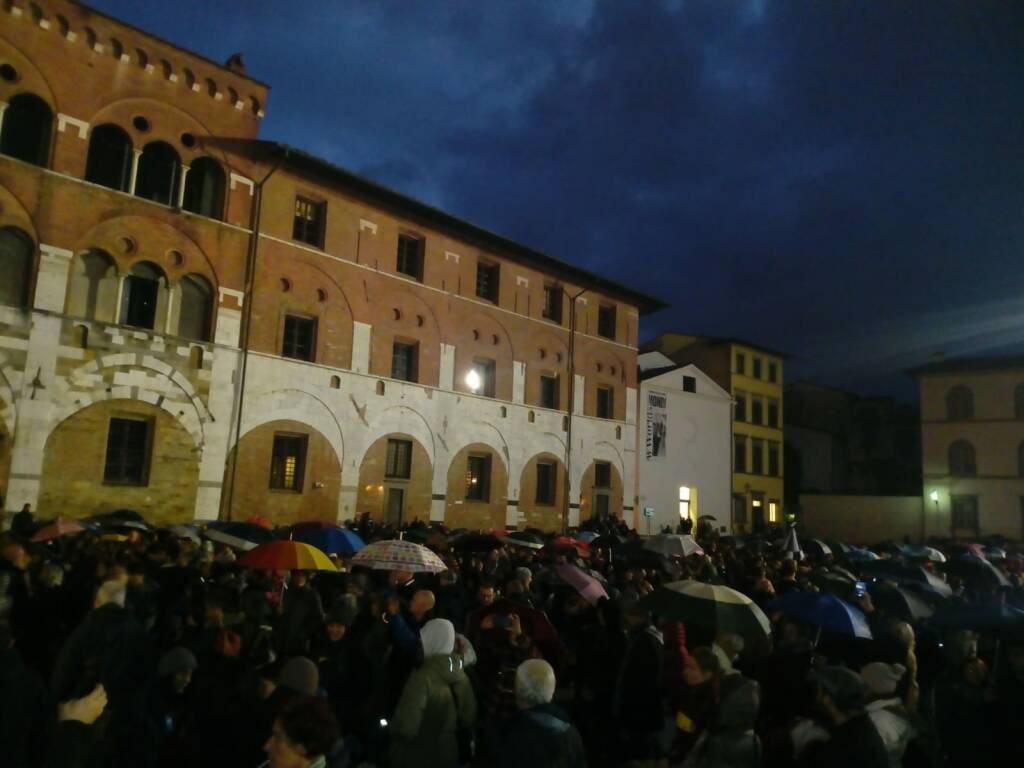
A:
287, 555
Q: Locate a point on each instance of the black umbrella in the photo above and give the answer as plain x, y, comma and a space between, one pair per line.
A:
979, 617
899, 602
975, 570
477, 542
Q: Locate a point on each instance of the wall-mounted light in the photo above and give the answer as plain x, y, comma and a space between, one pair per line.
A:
934, 496
473, 380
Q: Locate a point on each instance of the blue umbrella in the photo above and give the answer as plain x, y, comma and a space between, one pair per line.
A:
333, 541
823, 610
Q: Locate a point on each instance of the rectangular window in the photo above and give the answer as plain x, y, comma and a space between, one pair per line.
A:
549, 392
773, 511
398, 465
299, 340
128, 446
478, 478
553, 303
689, 383
288, 462
773, 413
606, 321
741, 364
773, 459
756, 363
741, 406
308, 226
545, 483
605, 403
487, 281
757, 456
739, 510
485, 371
740, 453
602, 474
684, 502
138, 304
773, 373
756, 410
409, 260
965, 514
404, 361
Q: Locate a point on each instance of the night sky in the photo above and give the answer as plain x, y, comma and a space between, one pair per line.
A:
841, 180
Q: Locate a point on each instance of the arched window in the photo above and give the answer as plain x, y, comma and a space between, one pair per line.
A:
141, 295
110, 157
15, 266
93, 289
961, 459
27, 127
157, 176
194, 312
204, 188
1018, 401
959, 404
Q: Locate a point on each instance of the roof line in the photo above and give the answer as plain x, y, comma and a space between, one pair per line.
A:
165, 41
303, 159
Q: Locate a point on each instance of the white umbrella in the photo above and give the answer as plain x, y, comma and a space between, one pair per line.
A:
232, 541
399, 555
673, 545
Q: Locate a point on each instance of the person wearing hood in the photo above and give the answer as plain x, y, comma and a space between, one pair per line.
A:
731, 741
639, 689
540, 734
886, 708
436, 703
853, 740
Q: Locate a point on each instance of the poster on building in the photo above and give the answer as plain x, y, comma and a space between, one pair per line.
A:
657, 425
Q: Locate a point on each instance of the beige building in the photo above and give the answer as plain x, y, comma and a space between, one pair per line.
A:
972, 444
753, 376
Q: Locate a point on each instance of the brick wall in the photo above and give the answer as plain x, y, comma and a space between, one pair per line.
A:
373, 485
461, 512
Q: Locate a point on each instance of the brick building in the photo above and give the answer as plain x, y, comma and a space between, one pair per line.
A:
196, 323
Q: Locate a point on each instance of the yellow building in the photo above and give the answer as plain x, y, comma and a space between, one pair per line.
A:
753, 375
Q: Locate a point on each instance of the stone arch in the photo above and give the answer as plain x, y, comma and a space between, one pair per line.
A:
109, 159
396, 480
541, 507
14, 214
184, 404
590, 489
205, 187
298, 406
462, 511
320, 474
74, 458
480, 432
30, 77
401, 418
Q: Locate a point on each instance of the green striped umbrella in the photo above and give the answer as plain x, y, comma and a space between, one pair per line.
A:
711, 606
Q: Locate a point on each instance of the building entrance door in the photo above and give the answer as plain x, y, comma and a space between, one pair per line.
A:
601, 506
395, 506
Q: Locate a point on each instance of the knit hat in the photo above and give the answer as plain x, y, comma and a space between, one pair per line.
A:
178, 659
846, 687
300, 675
882, 678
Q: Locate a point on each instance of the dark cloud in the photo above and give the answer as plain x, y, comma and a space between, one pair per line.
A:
831, 178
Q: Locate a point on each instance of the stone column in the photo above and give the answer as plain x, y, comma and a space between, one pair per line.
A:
134, 173
181, 186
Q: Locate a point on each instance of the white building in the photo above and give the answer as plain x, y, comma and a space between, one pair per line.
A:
684, 434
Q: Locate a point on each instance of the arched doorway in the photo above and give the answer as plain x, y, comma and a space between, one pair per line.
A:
477, 491
542, 493
287, 472
120, 454
601, 491
395, 481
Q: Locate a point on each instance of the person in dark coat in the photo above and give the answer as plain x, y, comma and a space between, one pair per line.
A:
731, 741
637, 703
302, 615
853, 741
540, 734
26, 709
23, 524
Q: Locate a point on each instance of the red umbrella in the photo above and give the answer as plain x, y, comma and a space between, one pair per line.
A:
570, 541
262, 522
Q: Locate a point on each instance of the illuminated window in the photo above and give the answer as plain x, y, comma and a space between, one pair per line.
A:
398, 464
684, 502
308, 223
773, 511
478, 478
288, 463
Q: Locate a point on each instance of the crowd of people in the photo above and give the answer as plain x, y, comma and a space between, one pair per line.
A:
146, 648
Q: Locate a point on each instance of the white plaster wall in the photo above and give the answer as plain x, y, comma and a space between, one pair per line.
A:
698, 452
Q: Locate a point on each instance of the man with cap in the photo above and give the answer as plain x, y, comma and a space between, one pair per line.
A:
853, 739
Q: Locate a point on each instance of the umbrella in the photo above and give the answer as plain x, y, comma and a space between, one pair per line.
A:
58, 528
569, 541
121, 514
185, 532
792, 545
589, 587
673, 545
904, 572
238, 535
536, 625
995, 553
858, 555
286, 555
823, 610
707, 517
399, 555
523, 539
588, 536
978, 616
924, 553
712, 606
262, 522
976, 570
607, 541
108, 521
902, 602
334, 541
477, 542
634, 553
817, 547
118, 537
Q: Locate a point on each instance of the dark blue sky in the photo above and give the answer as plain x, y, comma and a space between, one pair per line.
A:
840, 179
